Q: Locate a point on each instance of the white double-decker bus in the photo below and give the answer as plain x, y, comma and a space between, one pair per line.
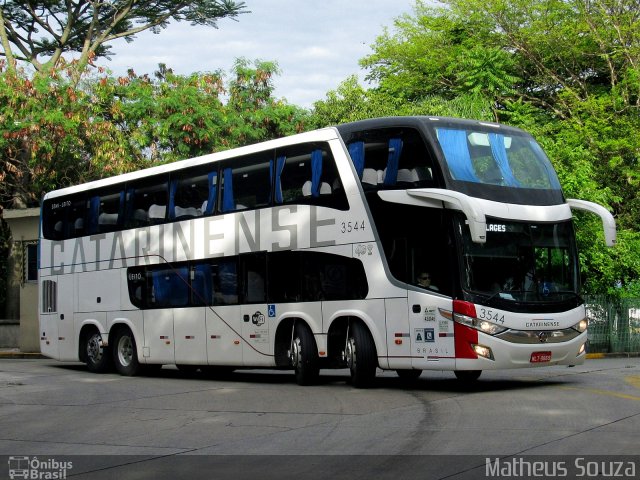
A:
403, 243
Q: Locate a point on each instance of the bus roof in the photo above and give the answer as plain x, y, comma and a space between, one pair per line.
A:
413, 121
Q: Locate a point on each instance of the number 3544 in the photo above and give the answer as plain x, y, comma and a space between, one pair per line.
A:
486, 314
348, 227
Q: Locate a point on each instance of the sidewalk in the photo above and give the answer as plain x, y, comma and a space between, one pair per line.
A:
16, 353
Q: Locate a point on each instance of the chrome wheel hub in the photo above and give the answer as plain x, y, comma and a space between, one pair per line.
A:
125, 351
94, 348
294, 353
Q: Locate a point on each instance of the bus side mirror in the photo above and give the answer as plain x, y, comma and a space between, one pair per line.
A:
608, 222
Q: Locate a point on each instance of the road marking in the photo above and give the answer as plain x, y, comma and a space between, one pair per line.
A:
626, 396
633, 380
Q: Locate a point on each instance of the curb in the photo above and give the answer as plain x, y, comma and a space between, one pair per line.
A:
592, 356
17, 354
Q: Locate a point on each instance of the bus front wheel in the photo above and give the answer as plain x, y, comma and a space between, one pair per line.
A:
125, 354
304, 355
361, 356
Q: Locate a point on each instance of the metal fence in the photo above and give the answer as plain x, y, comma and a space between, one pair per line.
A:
614, 324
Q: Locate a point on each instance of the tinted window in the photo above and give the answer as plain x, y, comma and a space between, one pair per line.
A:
307, 277
146, 203
255, 277
391, 158
246, 183
194, 193
64, 217
106, 210
308, 174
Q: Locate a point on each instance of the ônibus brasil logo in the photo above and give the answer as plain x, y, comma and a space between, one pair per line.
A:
38, 469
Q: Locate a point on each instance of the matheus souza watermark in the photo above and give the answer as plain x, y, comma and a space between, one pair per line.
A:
575, 467
38, 468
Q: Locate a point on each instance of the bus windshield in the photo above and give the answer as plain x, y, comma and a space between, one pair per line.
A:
521, 262
492, 158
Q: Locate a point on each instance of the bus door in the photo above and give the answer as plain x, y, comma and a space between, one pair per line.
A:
255, 311
432, 342
167, 296
223, 316
67, 347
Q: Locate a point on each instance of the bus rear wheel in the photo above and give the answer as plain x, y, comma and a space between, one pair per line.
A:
361, 356
125, 355
98, 357
304, 355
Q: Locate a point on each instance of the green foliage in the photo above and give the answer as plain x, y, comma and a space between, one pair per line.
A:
54, 133
564, 70
47, 139
351, 102
32, 30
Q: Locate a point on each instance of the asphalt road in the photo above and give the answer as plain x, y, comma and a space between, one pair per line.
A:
261, 424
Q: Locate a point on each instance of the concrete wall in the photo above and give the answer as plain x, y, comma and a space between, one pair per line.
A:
24, 224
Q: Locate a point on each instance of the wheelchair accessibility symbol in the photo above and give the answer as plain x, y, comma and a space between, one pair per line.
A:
271, 310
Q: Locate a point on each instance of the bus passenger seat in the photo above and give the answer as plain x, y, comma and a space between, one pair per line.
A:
108, 219
406, 175
370, 176
423, 174
187, 212
157, 211
140, 215
306, 188
325, 188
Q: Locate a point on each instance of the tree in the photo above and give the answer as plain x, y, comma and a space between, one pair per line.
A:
54, 133
40, 32
167, 117
51, 134
351, 101
568, 71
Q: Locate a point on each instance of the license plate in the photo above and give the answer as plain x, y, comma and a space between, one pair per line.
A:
540, 357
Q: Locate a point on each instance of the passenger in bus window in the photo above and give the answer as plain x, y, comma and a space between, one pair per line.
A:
424, 281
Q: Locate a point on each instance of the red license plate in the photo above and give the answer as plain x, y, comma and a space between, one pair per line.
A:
540, 357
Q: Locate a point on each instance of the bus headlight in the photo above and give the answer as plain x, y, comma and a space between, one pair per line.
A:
488, 327
484, 326
483, 351
464, 313
581, 326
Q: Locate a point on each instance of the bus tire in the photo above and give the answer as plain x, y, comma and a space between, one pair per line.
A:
467, 376
97, 356
304, 355
125, 354
361, 356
